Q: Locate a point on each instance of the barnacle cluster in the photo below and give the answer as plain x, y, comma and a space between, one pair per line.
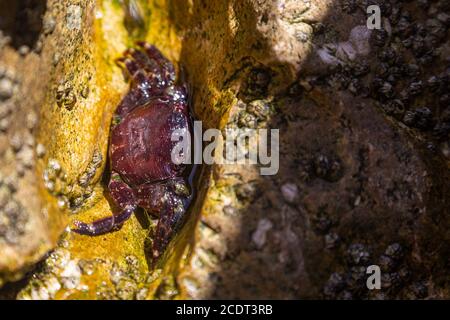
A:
408, 76
398, 73
13, 217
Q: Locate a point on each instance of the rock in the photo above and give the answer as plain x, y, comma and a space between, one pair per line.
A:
363, 176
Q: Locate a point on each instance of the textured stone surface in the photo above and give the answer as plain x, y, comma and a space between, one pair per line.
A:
364, 156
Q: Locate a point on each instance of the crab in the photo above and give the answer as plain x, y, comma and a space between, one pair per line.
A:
143, 174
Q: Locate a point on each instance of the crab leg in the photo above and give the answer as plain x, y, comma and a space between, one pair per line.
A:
104, 225
142, 60
156, 55
123, 197
168, 222
150, 71
130, 64
150, 60
163, 200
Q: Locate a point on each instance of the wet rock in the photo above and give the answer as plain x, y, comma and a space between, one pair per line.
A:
360, 175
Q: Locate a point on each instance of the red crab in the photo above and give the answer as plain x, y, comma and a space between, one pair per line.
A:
142, 171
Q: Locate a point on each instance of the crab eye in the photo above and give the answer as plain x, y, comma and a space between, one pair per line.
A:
116, 178
116, 120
